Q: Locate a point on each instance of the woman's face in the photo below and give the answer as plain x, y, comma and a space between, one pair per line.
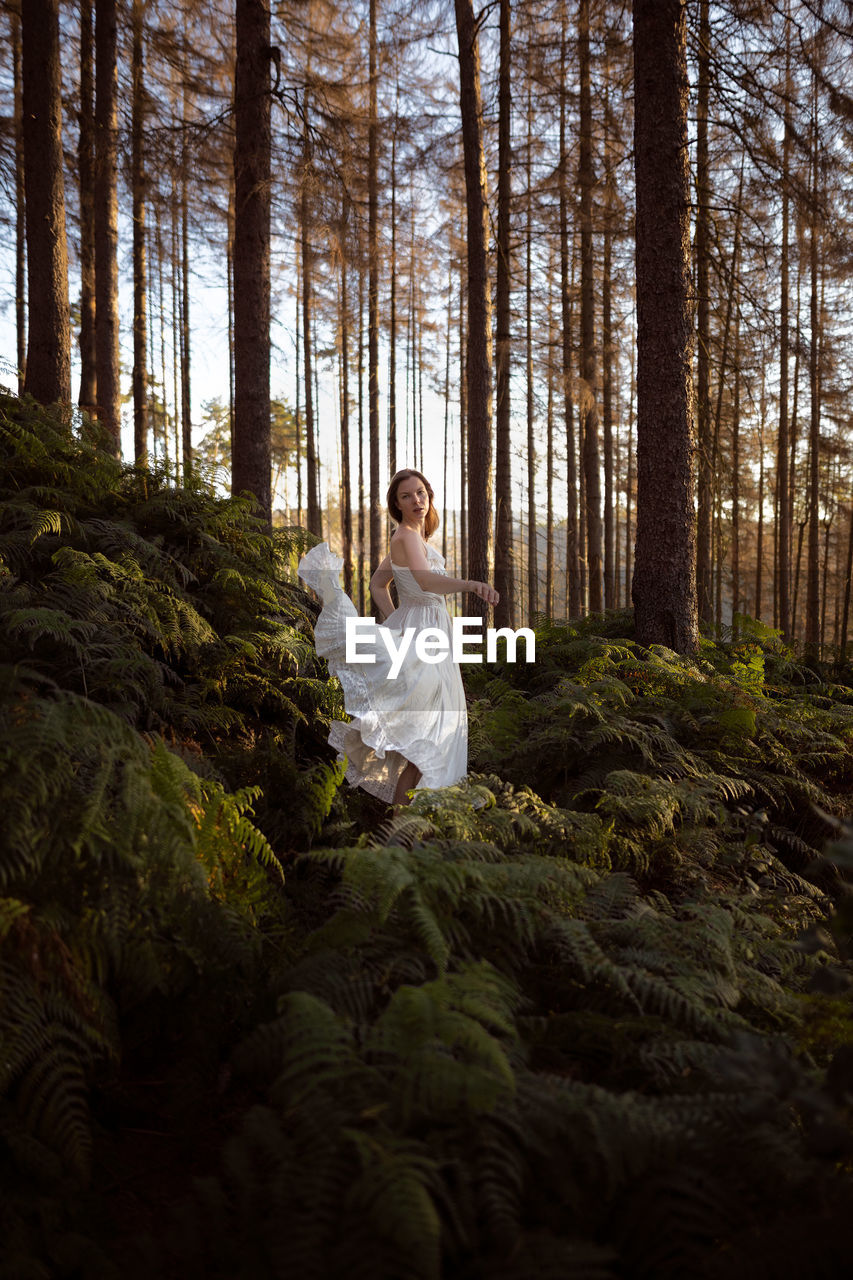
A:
413, 500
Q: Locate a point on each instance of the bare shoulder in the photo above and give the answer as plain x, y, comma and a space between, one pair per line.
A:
403, 543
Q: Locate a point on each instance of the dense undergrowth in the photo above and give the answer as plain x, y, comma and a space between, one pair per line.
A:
251, 1026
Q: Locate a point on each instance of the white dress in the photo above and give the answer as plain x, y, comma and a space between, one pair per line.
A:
420, 715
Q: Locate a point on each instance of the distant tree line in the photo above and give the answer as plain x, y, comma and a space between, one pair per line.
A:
639, 331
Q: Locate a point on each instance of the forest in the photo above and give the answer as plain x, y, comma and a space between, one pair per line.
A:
586, 1014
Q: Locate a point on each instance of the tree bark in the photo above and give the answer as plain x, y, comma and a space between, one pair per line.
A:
297, 379
532, 537
607, 395
848, 577
140, 266
48, 363
479, 352
549, 461
161, 310
447, 401
376, 507
346, 486
793, 472
813, 560
175, 274
759, 537
251, 463
664, 585
629, 484
736, 483
106, 221
572, 560
703, 327
782, 471
504, 555
361, 495
186, 401
313, 515
20, 203
229, 274
392, 318
589, 406
463, 429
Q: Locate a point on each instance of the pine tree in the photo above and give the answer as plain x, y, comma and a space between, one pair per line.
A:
664, 585
48, 363
251, 447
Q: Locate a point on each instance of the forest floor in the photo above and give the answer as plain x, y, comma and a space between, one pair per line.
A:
587, 1014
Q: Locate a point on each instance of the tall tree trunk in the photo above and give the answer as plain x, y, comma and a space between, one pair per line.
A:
447, 402
151, 307
813, 562
315, 365
229, 274
48, 362
408, 450
504, 556
421, 379
312, 485
297, 412
759, 542
161, 311
140, 267
703, 358
572, 565
589, 407
782, 472
617, 528
175, 264
346, 488
549, 462
848, 578
532, 538
376, 508
20, 202
361, 494
629, 488
479, 354
607, 393
575, 567
392, 317
106, 221
463, 429
250, 463
716, 565
186, 410
664, 586
417, 460
736, 478
827, 526
793, 482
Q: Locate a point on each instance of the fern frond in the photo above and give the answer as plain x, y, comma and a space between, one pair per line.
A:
394, 1191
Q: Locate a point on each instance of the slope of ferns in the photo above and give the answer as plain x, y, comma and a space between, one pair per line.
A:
251, 1026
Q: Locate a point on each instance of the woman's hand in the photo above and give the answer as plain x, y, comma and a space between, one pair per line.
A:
484, 591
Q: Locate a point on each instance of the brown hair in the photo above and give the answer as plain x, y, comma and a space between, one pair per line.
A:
431, 520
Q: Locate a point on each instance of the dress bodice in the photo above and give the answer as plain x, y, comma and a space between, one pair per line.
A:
407, 587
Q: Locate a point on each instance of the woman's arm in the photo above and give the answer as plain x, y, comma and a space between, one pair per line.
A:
408, 551
379, 584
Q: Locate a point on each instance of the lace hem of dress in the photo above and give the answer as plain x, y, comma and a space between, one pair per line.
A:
366, 726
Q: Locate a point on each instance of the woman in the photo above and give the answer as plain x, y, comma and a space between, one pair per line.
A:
410, 722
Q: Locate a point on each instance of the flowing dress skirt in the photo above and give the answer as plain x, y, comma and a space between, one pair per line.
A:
419, 716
